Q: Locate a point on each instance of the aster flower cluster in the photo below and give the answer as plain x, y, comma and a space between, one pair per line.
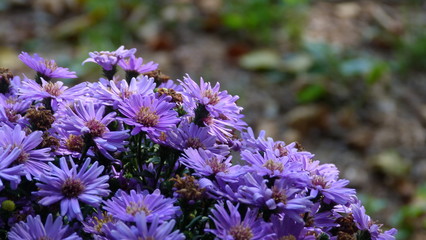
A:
147, 157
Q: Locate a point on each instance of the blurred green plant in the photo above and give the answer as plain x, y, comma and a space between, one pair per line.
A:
411, 218
259, 20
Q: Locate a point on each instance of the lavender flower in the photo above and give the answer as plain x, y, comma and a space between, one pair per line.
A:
286, 228
34, 229
206, 163
34, 160
269, 164
114, 93
155, 230
189, 135
282, 197
212, 108
58, 94
125, 207
108, 60
7, 170
229, 225
46, 69
88, 121
149, 114
71, 186
134, 66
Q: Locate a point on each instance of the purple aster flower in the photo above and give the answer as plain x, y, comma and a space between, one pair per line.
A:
98, 224
125, 207
7, 171
108, 60
58, 94
229, 225
34, 229
88, 120
285, 228
206, 163
269, 164
143, 230
324, 180
354, 215
115, 92
46, 69
280, 198
212, 108
149, 114
189, 135
34, 160
71, 186
134, 66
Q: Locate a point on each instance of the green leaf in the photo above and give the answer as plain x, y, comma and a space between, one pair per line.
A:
311, 93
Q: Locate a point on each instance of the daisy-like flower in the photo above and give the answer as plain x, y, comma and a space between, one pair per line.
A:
280, 198
34, 160
365, 224
134, 66
325, 181
34, 229
114, 93
11, 173
269, 164
88, 121
125, 207
58, 94
212, 108
143, 230
189, 135
108, 60
229, 225
206, 163
149, 114
71, 186
285, 228
46, 69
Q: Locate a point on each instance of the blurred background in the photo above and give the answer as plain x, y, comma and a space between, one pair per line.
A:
346, 79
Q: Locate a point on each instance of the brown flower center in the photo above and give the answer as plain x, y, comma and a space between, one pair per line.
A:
273, 165
216, 165
96, 128
133, 208
147, 117
279, 195
240, 232
72, 188
53, 89
74, 143
194, 143
213, 97
318, 180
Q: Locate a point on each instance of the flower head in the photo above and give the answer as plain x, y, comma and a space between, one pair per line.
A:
212, 108
87, 121
149, 114
58, 94
71, 186
34, 160
189, 135
229, 225
108, 60
144, 230
114, 93
33, 229
8, 171
46, 69
135, 65
206, 163
125, 207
